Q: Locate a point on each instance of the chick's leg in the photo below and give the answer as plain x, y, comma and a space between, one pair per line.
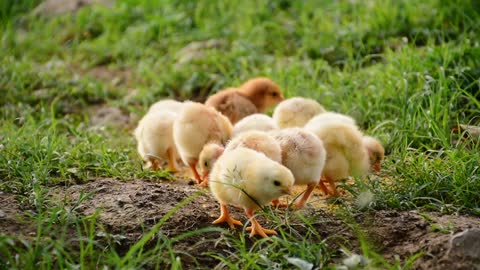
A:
155, 164
193, 167
204, 183
225, 217
332, 184
323, 187
305, 196
256, 228
172, 163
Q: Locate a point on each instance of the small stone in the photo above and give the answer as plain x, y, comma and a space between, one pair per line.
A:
2, 214
465, 244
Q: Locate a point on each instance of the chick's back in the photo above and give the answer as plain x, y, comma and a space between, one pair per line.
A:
197, 125
232, 104
346, 154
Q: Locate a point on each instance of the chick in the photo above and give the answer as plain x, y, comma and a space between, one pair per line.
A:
166, 105
209, 155
196, 126
154, 135
256, 121
232, 104
255, 95
296, 111
376, 152
263, 92
332, 117
346, 153
255, 140
248, 179
304, 154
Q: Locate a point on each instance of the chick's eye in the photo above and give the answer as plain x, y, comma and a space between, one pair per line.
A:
206, 164
274, 94
276, 183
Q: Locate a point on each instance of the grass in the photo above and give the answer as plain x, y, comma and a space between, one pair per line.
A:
406, 71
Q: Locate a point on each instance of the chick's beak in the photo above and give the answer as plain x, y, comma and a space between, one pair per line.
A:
287, 191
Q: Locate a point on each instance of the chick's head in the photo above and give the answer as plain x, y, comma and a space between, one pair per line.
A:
210, 153
376, 152
263, 92
269, 181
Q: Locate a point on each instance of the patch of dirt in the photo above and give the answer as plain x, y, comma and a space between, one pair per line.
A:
114, 76
58, 7
109, 116
129, 209
11, 220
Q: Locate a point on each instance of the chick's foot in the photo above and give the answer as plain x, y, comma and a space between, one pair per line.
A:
256, 228
225, 217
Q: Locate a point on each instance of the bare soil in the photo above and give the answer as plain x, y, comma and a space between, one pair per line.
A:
131, 208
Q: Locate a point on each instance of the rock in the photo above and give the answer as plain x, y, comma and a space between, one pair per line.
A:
109, 116
465, 245
57, 7
196, 50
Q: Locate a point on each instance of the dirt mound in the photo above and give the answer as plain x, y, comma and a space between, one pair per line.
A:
131, 208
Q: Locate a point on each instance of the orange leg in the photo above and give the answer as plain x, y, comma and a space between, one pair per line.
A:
332, 184
225, 217
256, 228
277, 203
193, 167
323, 187
171, 160
204, 183
155, 164
305, 196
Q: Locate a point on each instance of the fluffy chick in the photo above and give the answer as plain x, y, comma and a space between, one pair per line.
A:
196, 126
346, 153
154, 135
256, 121
376, 152
255, 140
255, 95
248, 179
296, 111
166, 105
304, 154
333, 117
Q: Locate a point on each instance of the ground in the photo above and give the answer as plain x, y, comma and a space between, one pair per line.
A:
77, 75
129, 208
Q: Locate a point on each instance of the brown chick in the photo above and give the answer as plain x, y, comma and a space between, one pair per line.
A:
254, 96
263, 92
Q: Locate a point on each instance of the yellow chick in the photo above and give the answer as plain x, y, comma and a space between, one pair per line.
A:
332, 117
209, 155
376, 152
248, 179
304, 154
196, 126
154, 135
296, 111
255, 140
346, 153
166, 105
255, 95
256, 121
